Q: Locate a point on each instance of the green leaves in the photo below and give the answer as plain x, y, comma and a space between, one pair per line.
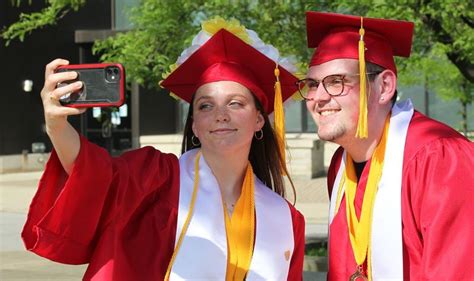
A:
162, 29
442, 52
48, 16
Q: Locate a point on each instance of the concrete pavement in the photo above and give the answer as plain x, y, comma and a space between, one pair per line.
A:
17, 190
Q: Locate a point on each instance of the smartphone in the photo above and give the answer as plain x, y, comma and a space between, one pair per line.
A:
103, 85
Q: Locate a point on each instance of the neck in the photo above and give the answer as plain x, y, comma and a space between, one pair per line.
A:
229, 170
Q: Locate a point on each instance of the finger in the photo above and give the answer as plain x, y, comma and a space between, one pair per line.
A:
54, 79
50, 67
64, 90
51, 84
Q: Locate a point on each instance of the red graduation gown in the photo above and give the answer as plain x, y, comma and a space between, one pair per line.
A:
437, 206
117, 214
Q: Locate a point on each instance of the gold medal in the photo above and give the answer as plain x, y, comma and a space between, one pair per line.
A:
358, 275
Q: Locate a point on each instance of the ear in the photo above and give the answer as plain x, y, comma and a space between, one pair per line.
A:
260, 121
387, 83
194, 128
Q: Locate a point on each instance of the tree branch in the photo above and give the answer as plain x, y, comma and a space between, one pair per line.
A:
464, 65
47, 16
467, 21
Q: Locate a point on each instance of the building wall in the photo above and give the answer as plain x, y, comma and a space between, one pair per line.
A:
21, 113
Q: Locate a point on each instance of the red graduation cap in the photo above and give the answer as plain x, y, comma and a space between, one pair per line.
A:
336, 36
225, 57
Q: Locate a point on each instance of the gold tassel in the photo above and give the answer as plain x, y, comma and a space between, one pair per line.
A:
279, 123
362, 130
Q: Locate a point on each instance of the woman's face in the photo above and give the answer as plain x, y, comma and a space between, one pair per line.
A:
225, 117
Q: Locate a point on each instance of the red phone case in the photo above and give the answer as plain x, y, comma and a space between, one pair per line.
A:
103, 85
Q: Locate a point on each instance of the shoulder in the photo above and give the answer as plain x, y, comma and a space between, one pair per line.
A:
274, 201
436, 156
148, 153
296, 215
148, 162
298, 223
147, 156
263, 191
428, 136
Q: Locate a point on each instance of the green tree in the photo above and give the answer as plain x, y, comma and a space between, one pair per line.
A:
27, 23
162, 28
155, 22
437, 74
447, 22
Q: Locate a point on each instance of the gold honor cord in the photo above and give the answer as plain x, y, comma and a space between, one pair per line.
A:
240, 229
360, 229
188, 218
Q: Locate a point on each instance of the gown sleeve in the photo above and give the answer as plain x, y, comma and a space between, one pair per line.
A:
68, 213
438, 225
297, 259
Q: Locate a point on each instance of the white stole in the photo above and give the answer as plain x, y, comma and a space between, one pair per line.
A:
386, 239
203, 253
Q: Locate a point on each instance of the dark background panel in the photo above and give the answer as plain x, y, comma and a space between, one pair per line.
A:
21, 113
157, 112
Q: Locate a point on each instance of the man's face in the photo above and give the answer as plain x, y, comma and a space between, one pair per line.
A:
336, 116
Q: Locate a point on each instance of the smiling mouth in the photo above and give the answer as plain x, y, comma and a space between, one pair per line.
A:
328, 112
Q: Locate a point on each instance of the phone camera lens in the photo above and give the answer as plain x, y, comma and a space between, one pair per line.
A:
112, 74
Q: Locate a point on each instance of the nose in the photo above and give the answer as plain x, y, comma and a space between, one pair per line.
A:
222, 115
318, 95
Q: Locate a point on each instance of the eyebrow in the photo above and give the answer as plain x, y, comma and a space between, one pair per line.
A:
203, 98
207, 97
335, 74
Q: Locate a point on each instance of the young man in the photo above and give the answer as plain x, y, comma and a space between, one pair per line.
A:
401, 184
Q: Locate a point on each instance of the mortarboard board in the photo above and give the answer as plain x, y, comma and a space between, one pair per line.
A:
337, 36
226, 57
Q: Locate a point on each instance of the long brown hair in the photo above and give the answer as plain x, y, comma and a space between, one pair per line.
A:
264, 156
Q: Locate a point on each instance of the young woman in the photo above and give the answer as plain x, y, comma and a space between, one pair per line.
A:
216, 213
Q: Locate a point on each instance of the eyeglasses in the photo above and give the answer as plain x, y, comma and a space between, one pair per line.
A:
333, 84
